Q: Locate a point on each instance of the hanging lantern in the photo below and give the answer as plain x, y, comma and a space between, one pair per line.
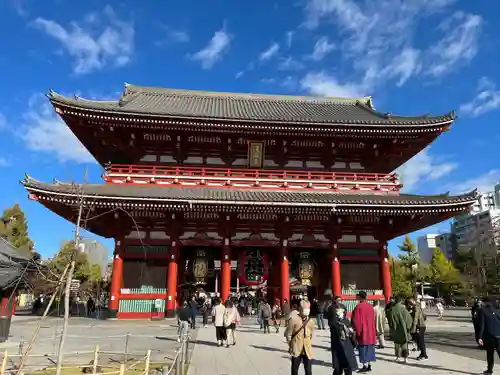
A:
305, 268
253, 267
200, 267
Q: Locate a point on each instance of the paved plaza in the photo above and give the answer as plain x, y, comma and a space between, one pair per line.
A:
259, 354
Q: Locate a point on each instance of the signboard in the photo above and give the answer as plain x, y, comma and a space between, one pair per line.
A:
255, 154
158, 303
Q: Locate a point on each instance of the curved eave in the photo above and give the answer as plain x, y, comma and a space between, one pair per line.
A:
110, 110
69, 194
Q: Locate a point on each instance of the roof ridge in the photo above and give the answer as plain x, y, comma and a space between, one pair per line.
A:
133, 89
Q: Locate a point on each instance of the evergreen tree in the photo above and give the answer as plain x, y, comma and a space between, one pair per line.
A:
14, 229
409, 256
444, 274
401, 286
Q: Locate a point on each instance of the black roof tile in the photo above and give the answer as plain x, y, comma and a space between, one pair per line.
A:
190, 104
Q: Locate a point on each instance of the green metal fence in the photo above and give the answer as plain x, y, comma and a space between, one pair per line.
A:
141, 305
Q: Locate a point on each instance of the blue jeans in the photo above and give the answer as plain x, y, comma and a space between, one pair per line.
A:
319, 321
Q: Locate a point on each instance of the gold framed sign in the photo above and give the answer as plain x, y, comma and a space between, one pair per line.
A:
255, 154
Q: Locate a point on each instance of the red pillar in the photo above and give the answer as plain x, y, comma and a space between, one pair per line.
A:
225, 282
385, 273
336, 280
285, 274
172, 281
116, 285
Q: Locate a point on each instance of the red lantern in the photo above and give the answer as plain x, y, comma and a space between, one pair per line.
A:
253, 267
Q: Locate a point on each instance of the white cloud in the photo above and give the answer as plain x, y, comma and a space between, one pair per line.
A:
239, 74
290, 64
91, 50
326, 85
4, 162
214, 50
322, 47
270, 52
459, 44
487, 99
379, 34
484, 183
423, 167
44, 131
176, 36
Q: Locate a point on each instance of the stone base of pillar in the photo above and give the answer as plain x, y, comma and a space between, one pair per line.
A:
112, 314
171, 313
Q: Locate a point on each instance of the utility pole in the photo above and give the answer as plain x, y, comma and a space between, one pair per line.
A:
60, 354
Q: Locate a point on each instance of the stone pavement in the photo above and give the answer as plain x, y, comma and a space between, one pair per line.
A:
259, 354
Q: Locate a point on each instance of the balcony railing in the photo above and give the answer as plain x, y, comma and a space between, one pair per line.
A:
257, 178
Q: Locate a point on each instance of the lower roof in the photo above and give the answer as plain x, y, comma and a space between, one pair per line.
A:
240, 196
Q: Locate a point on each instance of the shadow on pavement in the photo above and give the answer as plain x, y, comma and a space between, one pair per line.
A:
380, 357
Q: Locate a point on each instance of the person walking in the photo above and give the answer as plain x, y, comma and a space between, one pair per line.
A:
194, 312
363, 322
183, 321
418, 328
380, 323
320, 314
342, 342
388, 308
476, 307
276, 315
285, 310
489, 332
205, 309
260, 306
400, 319
266, 313
298, 335
218, 313
231, 318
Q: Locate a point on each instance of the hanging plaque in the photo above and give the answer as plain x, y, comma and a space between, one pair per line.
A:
255, 154
200, 267
305, 268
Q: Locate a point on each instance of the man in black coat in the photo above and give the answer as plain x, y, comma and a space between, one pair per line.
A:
488, 318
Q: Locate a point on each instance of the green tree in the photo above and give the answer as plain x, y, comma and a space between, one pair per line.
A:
409, 256
14, 229
401, 285
84, 272
444, 274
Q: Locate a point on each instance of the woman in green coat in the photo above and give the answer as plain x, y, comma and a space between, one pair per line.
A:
401, 322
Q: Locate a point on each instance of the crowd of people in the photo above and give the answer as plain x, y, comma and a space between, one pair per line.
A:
364, 332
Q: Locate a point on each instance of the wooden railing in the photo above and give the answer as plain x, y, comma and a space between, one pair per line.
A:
123, 173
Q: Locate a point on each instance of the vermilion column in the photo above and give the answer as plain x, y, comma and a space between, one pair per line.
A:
336, 280
116, 285
225, 282
172, 281
285, 274
385, 273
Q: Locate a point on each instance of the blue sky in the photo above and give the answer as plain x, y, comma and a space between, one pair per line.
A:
412, 56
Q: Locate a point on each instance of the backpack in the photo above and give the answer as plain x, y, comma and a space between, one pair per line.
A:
266, 311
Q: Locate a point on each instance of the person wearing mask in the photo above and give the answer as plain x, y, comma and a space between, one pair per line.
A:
298, 335
489, 332
342, 343
218, 313
418, 328
363, 322
380, 323
401, 322
183, 321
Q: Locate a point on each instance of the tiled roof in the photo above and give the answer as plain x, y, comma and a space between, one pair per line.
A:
190, 104
206, 195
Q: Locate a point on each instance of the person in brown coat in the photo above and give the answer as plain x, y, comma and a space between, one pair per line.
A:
298, 335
